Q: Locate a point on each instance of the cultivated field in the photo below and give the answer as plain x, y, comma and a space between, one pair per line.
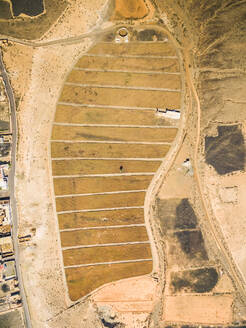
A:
101, 218
82, 280
106, 254
103, 236
109, 137
98, 166
108, 150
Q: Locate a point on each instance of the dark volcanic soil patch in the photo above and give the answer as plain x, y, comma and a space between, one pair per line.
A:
185, 216
150, 35
196, 281
226, 152
192, 244
28, 7
176, 214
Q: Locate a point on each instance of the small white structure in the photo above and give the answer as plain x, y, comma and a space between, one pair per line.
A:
168, 113
188, 166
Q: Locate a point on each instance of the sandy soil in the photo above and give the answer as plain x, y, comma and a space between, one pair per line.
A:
230, 211
20, 72
199, 309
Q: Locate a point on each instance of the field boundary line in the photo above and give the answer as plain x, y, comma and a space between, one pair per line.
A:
105, 227
102, 175
129, 56
106, 245
108, 86
65, 103
101, 193
113, 142
105, 263
156, 159
77, 68
99, 209
115, 125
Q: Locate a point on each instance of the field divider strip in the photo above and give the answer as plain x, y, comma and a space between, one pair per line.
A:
100, 209
65, 103
129, 56
106, 245
116, 125
106, 86
165, 41
76, 68
107, 159
105, 227
114, 142
106, 263
103, 175
102, 193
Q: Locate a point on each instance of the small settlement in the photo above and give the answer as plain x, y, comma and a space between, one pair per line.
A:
9, 290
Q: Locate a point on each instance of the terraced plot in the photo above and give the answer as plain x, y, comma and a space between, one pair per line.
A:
110, 135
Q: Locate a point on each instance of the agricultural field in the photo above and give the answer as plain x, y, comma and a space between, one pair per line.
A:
104, 235
83, 185
124, 216
106, 254
110, 135
99, 166
95, 115
82, 280
111, 150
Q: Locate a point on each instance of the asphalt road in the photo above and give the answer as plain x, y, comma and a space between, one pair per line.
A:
11, 183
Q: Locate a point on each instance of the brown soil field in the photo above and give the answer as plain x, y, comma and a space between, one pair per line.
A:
148, 80
95, 150
103, 236
97, 166
103, 133
101, 218
121, 97
134, 48
130, 9
100, 201
83, 280
93, 115
86, 185
33, 28
87, 255
170, 65
199, 309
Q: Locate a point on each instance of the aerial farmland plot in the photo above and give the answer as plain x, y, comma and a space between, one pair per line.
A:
108, 140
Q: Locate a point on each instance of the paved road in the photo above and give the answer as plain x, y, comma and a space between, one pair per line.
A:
12, 187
